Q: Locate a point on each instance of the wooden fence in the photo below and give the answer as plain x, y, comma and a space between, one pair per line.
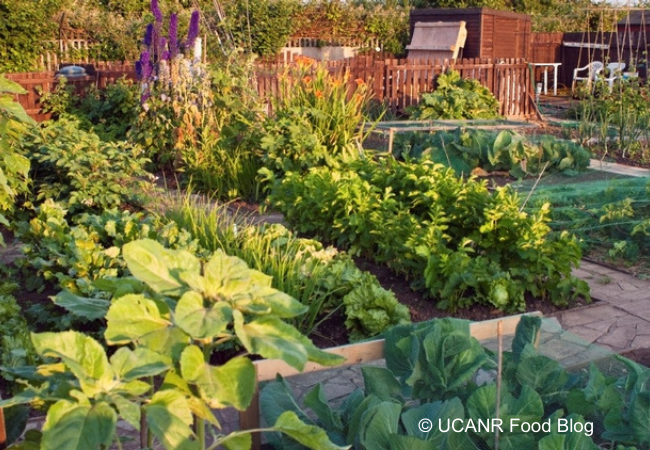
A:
36, 83
399, 83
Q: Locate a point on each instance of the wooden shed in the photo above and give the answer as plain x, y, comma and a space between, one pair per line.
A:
490, 33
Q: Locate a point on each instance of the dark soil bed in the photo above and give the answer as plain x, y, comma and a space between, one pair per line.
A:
333, 332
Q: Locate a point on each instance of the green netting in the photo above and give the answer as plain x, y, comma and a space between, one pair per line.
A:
603, 209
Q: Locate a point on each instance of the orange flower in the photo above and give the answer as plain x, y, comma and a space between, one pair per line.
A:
306, 79
318, 94
360, 82
304, 61
337, 82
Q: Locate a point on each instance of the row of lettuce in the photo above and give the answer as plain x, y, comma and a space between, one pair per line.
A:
150, 289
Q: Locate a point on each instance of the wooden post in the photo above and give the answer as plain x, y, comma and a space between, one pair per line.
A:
3, 431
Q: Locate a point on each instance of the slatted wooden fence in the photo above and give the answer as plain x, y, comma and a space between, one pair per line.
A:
36, 83
400, 82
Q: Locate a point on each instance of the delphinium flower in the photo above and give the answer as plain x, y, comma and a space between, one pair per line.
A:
173, 36
164, 53
155, 9
193, 31
148, 35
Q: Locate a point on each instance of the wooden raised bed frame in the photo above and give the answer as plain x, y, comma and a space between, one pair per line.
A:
363, 352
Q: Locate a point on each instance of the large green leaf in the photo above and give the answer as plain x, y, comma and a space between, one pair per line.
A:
231, 384
129, 411
308, 435
381, 382
275, 399
272, 339
169, 418
14, 110
317, 401
439, 413
10, 87
133, 364
84, 356
88, 308
198, 321
135, 318
158, 267
378, 424
250, 291
238, 442
15, 421
78, 426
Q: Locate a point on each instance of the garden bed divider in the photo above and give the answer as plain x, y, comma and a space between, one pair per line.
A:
357, 353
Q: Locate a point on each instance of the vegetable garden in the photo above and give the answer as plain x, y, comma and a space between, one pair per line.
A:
133, 301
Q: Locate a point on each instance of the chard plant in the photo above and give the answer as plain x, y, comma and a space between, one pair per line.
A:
160, 378
453, 236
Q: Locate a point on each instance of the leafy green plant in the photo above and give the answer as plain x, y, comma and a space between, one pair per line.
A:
317, 119
456, 98
16, 349
76, 167
191, 309
616, 123
466, 149
82, 259
226, 156
431, 374
108, 112
464, 243
323, 279
14, 168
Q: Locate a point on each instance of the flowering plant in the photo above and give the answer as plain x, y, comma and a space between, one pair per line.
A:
318, 117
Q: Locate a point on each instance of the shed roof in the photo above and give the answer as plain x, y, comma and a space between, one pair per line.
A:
636, 17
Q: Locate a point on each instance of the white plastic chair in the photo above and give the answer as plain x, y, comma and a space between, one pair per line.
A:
614, 71
593, 69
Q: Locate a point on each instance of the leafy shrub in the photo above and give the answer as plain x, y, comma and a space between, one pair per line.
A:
466, 149
83, 259
463, 242
317, 119
14, 168
225, 157
323, 279
75, 167
457, 98
190, 309
16, 349
430, 380
616, 122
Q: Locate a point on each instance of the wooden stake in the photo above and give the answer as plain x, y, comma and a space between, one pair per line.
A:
499, 368
3, 431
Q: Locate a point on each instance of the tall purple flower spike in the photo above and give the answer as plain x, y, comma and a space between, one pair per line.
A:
173, 36
148, 35
157, 13
145, 65
193, 32
162, 49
